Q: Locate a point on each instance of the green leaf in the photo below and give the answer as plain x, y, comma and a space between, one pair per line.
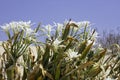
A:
82, 47
57, 74
86, 50
66, 31
36, 30
46, 55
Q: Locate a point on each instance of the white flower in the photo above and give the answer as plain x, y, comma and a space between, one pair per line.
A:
29, 31
25, 24
72, 54
56, 42
5, 27
60, 26
30, 34
13, 25
16, 26
48, 28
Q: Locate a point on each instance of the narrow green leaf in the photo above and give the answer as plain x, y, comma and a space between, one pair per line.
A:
86, 50
46, 55
82, 47
57, 75
66, 31
36, 30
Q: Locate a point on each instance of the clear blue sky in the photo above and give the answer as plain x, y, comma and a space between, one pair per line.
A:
104, 14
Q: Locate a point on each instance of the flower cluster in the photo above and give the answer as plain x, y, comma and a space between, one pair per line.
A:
15, 27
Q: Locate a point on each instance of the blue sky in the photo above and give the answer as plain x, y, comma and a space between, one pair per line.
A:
103, 14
